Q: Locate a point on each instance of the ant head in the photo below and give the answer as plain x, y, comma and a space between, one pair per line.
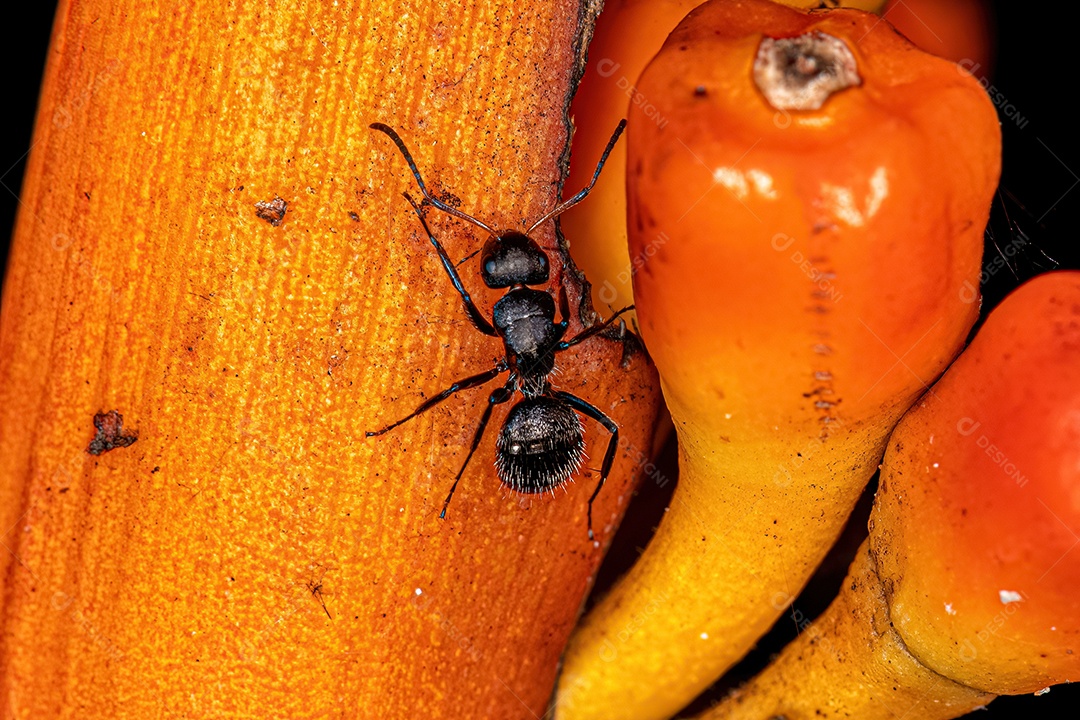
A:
513, 258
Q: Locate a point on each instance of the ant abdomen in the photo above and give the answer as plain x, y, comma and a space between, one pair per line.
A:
540, 446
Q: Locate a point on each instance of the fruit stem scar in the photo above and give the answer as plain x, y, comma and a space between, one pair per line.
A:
802, 72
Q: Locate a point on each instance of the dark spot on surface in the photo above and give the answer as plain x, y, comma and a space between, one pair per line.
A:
700, 91
450, 198
316, 591
354, 216
110, 433
156, 469
273, 211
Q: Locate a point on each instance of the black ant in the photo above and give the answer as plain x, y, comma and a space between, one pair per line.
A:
541, 443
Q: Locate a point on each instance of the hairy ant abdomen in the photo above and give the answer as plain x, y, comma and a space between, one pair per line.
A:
540, 446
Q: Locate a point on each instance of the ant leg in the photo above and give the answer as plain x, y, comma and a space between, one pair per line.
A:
469, 382
564, 206
496, 398
478, 320
586, 409
389, 131
589, 332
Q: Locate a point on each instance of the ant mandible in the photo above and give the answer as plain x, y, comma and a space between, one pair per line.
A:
541, 443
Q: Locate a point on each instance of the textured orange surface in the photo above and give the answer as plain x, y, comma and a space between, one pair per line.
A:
252, 554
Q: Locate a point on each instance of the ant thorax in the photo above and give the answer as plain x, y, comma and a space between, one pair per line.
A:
525, 319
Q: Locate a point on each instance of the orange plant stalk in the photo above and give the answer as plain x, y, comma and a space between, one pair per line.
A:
812, 215
215, 265
966, 588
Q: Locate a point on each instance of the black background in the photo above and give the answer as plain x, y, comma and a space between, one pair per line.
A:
1039, 196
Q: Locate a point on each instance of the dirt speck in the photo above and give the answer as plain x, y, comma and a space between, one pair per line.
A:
110, 433
272, 211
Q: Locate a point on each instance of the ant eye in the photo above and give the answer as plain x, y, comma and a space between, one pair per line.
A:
490, 267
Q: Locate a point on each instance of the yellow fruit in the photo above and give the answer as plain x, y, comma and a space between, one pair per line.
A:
966, 588
804, 275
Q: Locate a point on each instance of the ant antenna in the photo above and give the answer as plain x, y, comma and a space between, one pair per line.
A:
389, 131
563, 207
